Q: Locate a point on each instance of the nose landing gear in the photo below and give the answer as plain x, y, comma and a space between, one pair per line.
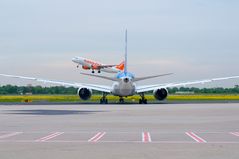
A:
121, 100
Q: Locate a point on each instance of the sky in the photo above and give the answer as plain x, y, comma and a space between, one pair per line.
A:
194, 39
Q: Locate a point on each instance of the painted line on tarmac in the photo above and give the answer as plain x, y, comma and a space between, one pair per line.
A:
146, 137
51, 136
134, 142
10, 135
97, 137
235, 133
196, 137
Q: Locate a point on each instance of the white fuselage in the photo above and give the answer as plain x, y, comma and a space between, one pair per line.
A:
124, 86
123, 89
110, 70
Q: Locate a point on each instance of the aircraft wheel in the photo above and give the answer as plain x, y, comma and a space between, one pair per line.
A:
121, 100
143, 101
103, 101
140, 101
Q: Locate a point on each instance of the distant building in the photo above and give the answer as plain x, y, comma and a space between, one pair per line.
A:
28, 93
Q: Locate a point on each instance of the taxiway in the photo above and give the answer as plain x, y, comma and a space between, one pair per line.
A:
119, 131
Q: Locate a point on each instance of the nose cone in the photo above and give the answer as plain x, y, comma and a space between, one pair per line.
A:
126, 80
75, 59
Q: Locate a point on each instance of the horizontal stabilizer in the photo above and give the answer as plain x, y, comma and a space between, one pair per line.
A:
150, 77
99, 76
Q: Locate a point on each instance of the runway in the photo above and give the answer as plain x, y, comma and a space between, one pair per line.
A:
119, 131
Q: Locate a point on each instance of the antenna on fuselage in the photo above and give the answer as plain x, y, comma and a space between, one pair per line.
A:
126, 54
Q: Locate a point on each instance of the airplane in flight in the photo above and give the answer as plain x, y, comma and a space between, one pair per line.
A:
88, 64
124, 84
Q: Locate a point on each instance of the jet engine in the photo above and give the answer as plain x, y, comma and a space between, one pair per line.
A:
86, 67
84, 93
160, 94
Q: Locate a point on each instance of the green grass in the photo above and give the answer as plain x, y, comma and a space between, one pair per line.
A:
75, 98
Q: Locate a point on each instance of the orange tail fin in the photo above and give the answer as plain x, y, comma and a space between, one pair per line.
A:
120, 66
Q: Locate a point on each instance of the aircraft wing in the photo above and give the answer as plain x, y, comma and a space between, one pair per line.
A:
100, 88
146, 88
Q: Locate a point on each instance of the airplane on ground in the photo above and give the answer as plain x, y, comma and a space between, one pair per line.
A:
88, 64
124, 84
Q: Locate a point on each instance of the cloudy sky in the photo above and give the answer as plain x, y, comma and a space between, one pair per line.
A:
195, 39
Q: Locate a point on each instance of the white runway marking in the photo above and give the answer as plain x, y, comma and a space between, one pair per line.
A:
196, 137
235, 133
146, 137
51, 136
97, 137
10, 135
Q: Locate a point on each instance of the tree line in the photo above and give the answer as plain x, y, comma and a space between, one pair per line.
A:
22, 90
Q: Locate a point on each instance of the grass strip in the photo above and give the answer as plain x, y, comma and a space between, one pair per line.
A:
96, 98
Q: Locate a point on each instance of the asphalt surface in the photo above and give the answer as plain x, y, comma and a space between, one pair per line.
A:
120, 131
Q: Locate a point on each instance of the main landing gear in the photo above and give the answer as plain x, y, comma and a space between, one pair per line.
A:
93, 71
143, 100
104, 100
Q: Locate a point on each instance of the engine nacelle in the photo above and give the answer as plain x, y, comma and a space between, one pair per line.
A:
84, 93
86, 67
160, 94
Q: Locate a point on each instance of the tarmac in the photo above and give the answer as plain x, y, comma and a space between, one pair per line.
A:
150, 131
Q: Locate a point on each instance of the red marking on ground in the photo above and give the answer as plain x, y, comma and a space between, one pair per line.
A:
97, 137
196, 137
146, 137
51, 136
9, 135
235, 133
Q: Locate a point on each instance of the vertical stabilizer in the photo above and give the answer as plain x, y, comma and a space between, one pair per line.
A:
126, 54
